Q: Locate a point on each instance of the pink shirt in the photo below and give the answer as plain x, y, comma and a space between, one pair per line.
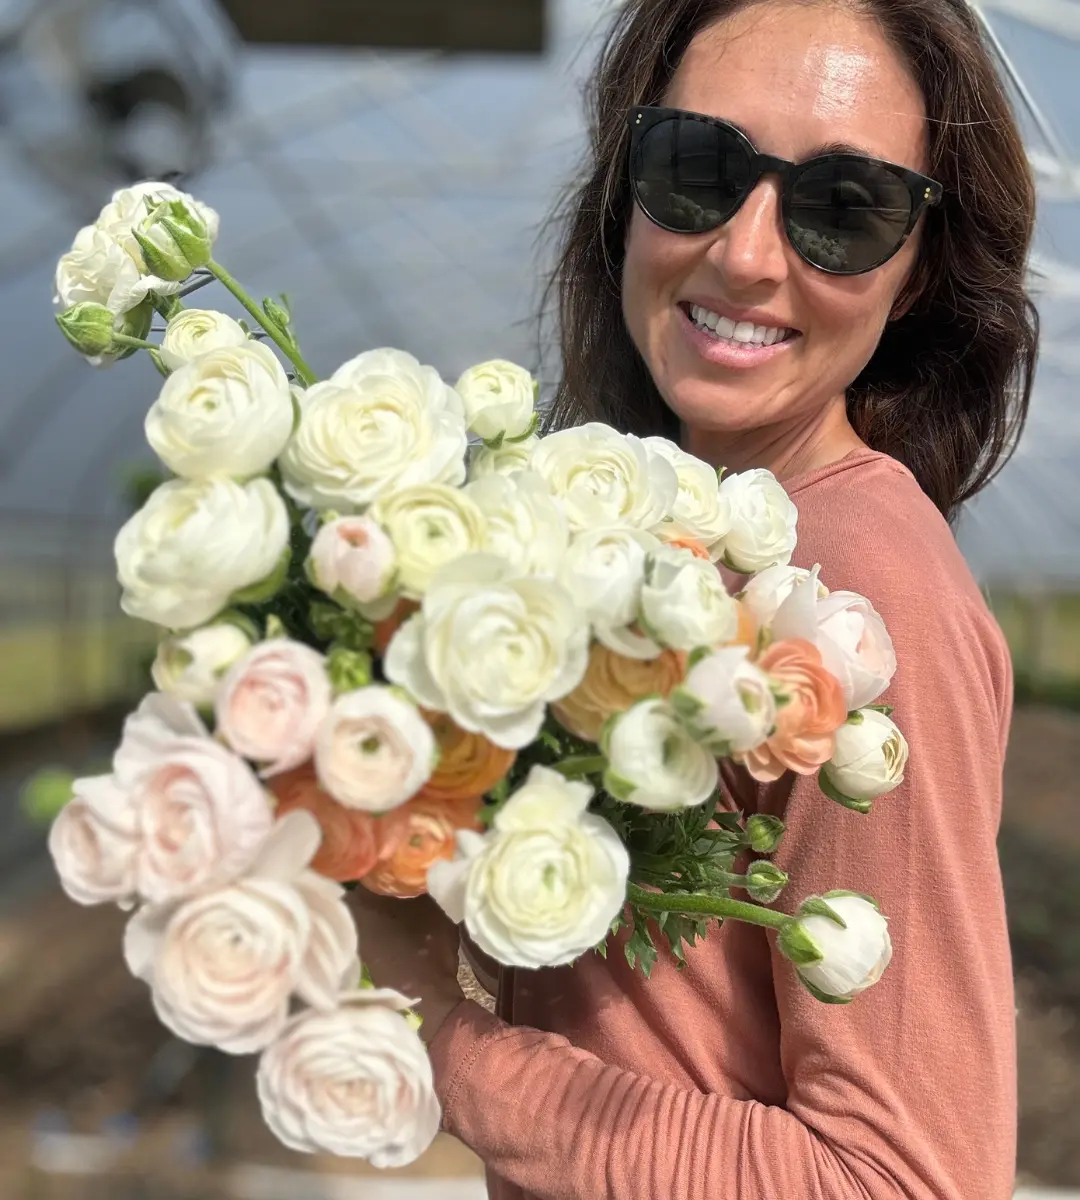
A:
728, 1081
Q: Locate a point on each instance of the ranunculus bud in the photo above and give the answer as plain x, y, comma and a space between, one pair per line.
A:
348, 669
839, 944
764, 832
765, 881
89, 327
869, 758
353, 560
174, 240
190, 666
499, 399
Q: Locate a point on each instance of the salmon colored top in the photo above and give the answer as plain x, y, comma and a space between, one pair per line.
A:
728, 1081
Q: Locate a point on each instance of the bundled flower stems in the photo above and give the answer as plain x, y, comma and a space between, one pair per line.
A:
410, 643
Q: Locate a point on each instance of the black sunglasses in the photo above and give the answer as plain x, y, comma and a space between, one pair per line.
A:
844, 213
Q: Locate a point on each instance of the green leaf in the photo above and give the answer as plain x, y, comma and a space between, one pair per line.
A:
817, 906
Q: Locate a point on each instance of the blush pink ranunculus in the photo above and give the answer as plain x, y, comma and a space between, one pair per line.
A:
271, 702
810, 709
855, 646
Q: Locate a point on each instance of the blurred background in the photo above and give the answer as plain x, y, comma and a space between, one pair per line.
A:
392, 166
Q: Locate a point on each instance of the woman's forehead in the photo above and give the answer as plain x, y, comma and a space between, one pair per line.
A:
798, 77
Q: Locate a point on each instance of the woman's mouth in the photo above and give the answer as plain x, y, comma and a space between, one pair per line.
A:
725, 342
738, 333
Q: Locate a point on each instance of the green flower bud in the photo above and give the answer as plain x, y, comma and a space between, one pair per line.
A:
765, 881
764, 832
348, 670
88, 327
174, 240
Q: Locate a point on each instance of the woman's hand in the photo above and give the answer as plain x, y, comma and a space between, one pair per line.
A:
410, 945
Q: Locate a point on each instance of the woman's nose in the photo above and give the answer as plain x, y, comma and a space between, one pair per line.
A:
751, 247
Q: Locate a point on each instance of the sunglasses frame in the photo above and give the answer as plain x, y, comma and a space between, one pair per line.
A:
924, 192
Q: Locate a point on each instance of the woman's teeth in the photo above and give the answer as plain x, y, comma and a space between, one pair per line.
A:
744, 332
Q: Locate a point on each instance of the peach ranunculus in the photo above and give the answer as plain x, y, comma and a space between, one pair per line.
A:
612, 683
812, 709
352, 841
430, 829
271, 703
696, 548
469, 764
748, 631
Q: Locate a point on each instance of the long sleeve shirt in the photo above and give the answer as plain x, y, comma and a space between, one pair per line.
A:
728, 1081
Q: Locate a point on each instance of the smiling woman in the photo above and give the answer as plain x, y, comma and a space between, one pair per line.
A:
799, 244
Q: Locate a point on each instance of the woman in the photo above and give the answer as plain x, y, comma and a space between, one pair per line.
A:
867, 338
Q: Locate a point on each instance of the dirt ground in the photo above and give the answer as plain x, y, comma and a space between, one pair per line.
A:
80, 1048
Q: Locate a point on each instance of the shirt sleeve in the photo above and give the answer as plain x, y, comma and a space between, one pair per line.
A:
909, 1091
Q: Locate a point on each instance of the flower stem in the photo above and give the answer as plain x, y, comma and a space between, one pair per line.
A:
707, 906
123, 339
577, 768
276, 334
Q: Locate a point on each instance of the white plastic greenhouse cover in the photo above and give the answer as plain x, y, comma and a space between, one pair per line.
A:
399, 199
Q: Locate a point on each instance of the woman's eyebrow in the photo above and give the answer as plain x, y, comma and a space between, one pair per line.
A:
840, 148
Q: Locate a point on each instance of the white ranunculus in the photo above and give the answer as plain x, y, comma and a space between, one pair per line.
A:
499, 399
374, 750
195, 544
492, 648
763, 519
525, 524
765, 593
201, 815
604, 570
506, 460
272, 702
684, 603
223, 965
654, 762
130, 206
355, 1082
853, 958
544, 885
190, 666
430, 525
701, 511
727, 701
606, 478
197, 331
353, 560
99, 270
869, 758
855, 646
229, 412
94, 843
381, 422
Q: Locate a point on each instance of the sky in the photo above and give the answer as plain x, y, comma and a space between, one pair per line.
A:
401, 200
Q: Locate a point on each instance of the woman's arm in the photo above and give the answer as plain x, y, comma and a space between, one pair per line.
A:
908, 1092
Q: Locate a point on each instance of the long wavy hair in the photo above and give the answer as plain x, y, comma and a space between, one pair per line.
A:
948, 388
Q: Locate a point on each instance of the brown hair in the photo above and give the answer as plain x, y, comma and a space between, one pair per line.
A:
948, 388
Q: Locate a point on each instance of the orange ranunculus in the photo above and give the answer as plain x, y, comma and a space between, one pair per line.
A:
747, 632
612, 683
388, 626
429, 826
696, 548
469, 765
352, 841
807, 721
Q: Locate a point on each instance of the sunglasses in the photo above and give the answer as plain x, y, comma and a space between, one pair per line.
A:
843, 213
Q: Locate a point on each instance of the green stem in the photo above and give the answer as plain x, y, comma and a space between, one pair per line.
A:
123, 339
577, 768
286, 347
707, 906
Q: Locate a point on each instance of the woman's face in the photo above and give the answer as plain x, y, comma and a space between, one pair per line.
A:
797, 78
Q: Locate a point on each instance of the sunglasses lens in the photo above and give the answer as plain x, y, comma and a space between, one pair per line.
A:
690, 176
848, 216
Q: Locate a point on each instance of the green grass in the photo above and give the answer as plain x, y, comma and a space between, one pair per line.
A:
1044, 637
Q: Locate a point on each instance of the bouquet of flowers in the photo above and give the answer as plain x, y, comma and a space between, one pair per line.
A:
412, 645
